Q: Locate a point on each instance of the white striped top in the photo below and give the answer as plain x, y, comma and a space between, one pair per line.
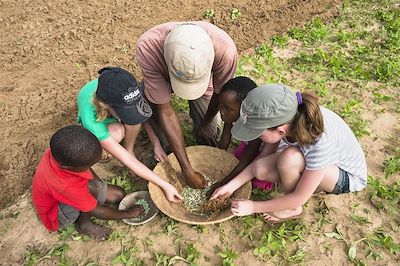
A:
336, 146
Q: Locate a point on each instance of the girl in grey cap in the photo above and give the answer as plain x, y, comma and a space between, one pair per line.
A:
307, 149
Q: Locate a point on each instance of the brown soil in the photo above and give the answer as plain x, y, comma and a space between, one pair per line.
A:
50, 49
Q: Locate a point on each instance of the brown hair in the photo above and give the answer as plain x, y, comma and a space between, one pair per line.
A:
307, 125
101, 109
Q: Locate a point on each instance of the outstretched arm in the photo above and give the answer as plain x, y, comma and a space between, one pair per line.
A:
139, 168
248, 156
172, 128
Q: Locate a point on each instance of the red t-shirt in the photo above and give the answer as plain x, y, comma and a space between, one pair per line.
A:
52, 184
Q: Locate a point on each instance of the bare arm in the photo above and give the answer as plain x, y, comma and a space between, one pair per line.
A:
172, 128
108, 213
138, 167
244, 176
225, 137
248, 156
212, 109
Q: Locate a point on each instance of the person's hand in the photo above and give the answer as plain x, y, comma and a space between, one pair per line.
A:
213, 187
196, 180
242, 207
208, 135
159, 153
172, 194
224, 192
135, 211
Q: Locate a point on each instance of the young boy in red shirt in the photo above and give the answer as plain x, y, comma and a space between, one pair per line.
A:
65, 189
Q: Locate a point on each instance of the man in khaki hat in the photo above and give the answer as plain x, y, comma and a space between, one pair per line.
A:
193, 60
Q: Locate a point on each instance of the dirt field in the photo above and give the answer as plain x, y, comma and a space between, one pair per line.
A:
52, 48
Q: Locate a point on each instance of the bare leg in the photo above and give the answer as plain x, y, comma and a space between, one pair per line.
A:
290, 166
265, 168
85, 226
114, 194
131, 133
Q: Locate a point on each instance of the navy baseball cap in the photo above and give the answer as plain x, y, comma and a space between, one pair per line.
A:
120, 90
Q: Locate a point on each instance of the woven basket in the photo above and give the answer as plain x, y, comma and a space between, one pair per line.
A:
209, 161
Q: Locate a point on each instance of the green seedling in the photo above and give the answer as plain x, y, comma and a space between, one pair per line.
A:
127, 255
352, 247
70, 232
384, 197
392, 166
124, 182
358, 218
123, 49
116, 235
60, 251
323, 214
201, 228
298, 256
228, 256
31, 257
280, 41
274, 243
170, 227
235, 14
187, 134
380, 98
180, 105
247, 226
165, 260
209, 14
191, 254
383, 240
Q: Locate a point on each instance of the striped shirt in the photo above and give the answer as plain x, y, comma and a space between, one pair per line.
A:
336, 146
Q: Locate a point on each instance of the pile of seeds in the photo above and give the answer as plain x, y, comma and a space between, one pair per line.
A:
146, 207
195, 199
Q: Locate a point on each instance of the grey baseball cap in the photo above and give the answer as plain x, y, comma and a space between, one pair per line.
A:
266, 106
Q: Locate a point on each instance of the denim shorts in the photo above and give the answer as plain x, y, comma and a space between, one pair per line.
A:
68, 214
343, 183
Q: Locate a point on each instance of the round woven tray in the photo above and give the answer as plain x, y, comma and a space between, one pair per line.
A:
209, 161
130, 199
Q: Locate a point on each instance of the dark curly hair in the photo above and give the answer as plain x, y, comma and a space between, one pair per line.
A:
240, 85
75, 147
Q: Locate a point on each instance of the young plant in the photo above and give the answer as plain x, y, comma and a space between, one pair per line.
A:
127, 255
280, 41
191, 254
235, 14
228, 256
165, 260
209, 14
170, 227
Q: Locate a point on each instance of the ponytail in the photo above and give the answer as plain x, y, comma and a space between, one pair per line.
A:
307, 124
101, 109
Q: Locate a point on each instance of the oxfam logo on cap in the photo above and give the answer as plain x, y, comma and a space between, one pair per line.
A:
133, 95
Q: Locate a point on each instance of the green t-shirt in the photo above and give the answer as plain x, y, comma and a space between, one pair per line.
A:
87, 115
